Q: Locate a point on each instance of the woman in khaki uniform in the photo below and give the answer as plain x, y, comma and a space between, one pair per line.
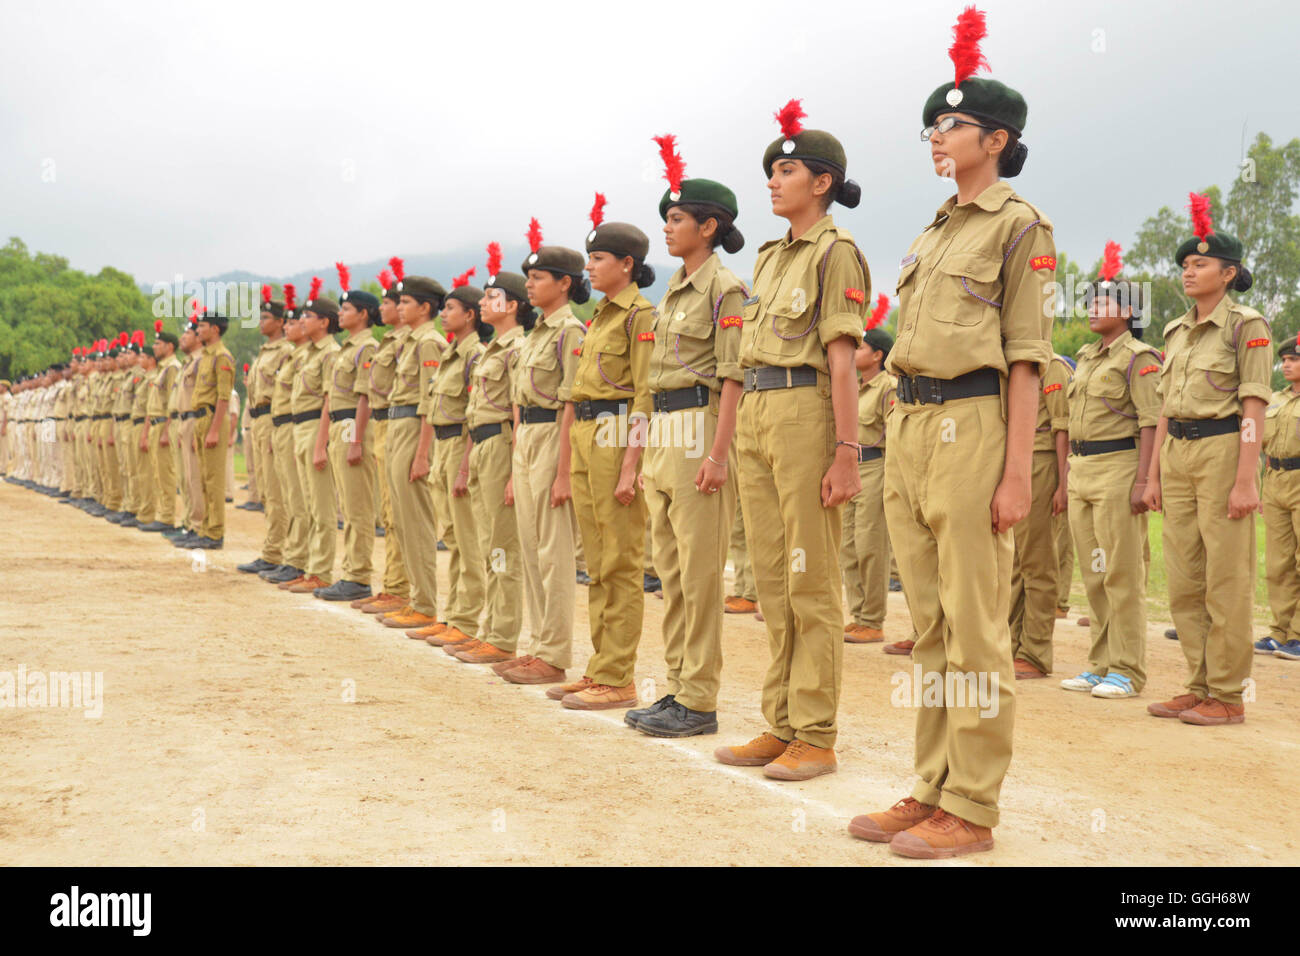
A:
147, 489
797, 445
1114, 407
973, 339
548, 363
1215, 382
690, 461
491, 423
297, 514
160, 428
610, 401
1281, 498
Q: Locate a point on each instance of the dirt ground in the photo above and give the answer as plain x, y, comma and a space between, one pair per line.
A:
245, 725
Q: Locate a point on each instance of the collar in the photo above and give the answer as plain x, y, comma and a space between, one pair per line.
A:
557, 318
1120, 340
505, 338
625, 299
1218, 317
702, 278
323, 343
990, 200
814, 232
466, 344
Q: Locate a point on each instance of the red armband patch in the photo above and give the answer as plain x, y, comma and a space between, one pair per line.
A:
227, 368
1149, 369
731, 322
855, 295
366, 364
431, 363
645, 337
1043, 262
1055, 387
578, 350
1256, 343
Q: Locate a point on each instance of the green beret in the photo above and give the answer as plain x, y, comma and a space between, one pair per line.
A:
555, 259
1221, 245
702, 192
980, 97
468, 295
167, 337
814, 144
422, 288
878, 339
275, 308
1288, 347
322, 306
511, 282
621, 239
363, 300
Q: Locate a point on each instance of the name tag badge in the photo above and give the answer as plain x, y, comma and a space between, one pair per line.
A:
907, 260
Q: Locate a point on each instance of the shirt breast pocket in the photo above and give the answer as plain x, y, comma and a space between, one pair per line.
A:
1107, 385
612, 360
1213, 374
972, 290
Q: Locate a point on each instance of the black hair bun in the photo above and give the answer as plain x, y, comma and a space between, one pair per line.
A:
484, 332
1014, 163
1136, 326
733, 241
645, 276
580, 290
1244, 279
527, 317
850, 194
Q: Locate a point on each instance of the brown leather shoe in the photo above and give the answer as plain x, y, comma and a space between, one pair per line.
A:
564, 690
535, 671
940, 836
450, 639
861, 634
1085, 622
285, 585
1210, 712
881, 827
308, 584
739, 605
501, 667
759, 752
485, 653
383, 603
900, 647
1174, 707
601, 697
801, 761
406, 619
758, 615
452, 648
1027, 671
424, 633
1062, 612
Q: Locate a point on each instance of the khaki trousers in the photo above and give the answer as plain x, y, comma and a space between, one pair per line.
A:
146, 482
690, 531
498, 531
318, 492
743, 575
944, 463
613, 538
1281, 500
546, 542
1210, 564
297, 515
356, 490
1065, 569
262, 433
413, 515
1110, 539
465, 569
785, 443
164, 471
212, 472
110, 474
192, 486
395, 580
865, 553
124, 450
1033, 573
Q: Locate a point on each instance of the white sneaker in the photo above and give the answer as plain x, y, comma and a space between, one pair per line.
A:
1084, 682
1114, 687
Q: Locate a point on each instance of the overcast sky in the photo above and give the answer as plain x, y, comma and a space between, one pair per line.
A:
204, 137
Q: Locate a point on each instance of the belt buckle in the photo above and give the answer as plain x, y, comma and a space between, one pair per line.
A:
936, 391
584, 409
1191, 430
1076, 447
905, 390
751, 379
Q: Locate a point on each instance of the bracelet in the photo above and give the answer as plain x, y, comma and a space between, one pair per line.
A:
720, 464
849, 444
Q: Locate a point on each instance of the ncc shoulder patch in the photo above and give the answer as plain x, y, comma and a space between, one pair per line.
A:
645, 337
431, 363
855, 295
731, 322
578, 350
1148, 370
367, 364
1256, 343
1054, 387
1043, 262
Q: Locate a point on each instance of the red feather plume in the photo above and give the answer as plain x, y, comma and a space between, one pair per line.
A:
598, 211
345, 276
880, 312
76, 350
462, 279
965, 50
245, 368
122, 339
674, 166
494, 258
137, 337
290, 296
385, 280
398, 267
266, 293
1199, 204
316, 283
534, 234
788, 117
157, 326
1111, 262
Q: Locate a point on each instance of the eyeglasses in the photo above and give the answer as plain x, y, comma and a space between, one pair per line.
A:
946, 125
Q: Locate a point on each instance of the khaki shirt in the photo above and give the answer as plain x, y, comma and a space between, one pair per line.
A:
286, 376
447, 398
348, 369
1282, 425
311, 381
614, 358
189, 379
381, 369
697, 329
164, 387
875, 400
492, 379
794, 297
141, 381
124, 392
261, 376
1053, 406
1115, 391
548, 360
417, 364
1210, 366
216, 374
62, 399
977, 289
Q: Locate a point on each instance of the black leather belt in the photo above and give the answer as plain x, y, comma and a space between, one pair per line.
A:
674, 400
99, 418
259, 411
1283, 464
278, 420
204, 410
532, 414
485, 431
402, 411
138, 421
158, 420
116, 418
1102, 447
174, 415
443, 432
870, 454
923, 390
588, 410
1195, 428
379, 414
343, 413
300, 417
79, 418
186, 416
761, 378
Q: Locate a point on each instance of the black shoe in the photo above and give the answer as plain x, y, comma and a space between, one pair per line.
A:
130, 521
229, 500
241, 488
1172, 634
256, 567
96, 510
65, 494
255, 506
633, 718
343, 591
651, 584
66, 499
676, 720
115, 517
175, 533
379, 532
340, 525
441, 546
584, 578
186, 540
284, 573
153, 527
895, 584
208, 544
